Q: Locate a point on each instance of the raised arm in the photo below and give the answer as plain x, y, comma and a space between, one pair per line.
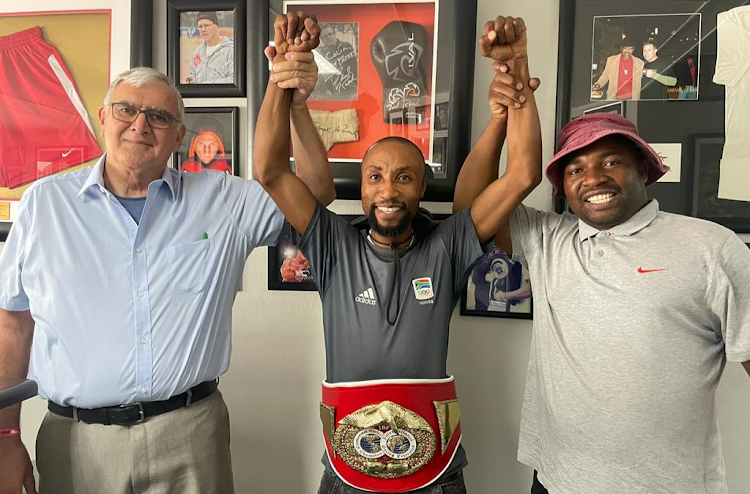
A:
310, 156
292, 33
16, 332
481, 166
298, 71
492, 208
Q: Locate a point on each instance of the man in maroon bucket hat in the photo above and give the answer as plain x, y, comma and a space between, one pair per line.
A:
636, 312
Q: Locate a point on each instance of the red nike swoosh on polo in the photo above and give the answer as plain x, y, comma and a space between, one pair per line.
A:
643, 271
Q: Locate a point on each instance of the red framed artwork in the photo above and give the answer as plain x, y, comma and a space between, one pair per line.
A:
388, 68
57, 83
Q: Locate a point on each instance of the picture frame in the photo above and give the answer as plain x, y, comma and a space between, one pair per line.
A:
211, 141
206, 47
297, 277
707, 150
448, 80
130, 23
699, 111
498, 287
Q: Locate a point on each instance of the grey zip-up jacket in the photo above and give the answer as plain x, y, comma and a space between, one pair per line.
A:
215, 69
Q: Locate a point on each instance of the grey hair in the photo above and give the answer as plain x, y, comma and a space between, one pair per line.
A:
143, 75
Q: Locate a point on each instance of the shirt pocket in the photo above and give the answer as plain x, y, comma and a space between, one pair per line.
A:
191, 265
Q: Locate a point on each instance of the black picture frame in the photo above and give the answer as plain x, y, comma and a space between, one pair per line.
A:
455, 67
288, 239
239, 9
141, 26
475, 304
224, 122
656, 119
707, 150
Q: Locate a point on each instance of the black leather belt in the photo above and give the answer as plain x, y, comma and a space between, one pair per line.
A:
137, 412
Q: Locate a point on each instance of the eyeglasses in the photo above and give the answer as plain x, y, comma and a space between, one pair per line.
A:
157, 119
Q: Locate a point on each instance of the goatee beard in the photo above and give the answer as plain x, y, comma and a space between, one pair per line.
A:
388, 231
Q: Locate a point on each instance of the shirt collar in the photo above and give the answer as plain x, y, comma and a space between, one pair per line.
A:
634, 224
96, 177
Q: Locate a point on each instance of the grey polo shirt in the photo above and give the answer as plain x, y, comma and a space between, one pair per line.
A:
632, 329
354, 280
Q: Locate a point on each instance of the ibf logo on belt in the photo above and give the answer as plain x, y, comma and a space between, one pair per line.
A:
423, 288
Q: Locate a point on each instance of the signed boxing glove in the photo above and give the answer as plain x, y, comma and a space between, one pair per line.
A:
400, 53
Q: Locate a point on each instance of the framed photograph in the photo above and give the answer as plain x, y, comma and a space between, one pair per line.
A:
383, 73
66, 133
498, 287
206, 47
646, 57
211, 141
672, 48
288, 269
707, 150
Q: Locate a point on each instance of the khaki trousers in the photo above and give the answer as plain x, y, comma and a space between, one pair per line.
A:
185, 451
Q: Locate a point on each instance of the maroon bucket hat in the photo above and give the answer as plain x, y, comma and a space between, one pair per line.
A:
584, 130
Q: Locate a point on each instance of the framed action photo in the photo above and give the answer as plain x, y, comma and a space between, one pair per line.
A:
211, 141
288, 268
498, 287
206, 47
383, 73
655, 63
53, 82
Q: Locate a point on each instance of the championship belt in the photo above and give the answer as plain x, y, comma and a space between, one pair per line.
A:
391, 435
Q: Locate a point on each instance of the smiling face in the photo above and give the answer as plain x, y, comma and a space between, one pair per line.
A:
605, 182
627, 51
649, 52
393, 182
136, 145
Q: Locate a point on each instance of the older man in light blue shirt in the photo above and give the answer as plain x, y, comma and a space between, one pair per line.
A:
125, 275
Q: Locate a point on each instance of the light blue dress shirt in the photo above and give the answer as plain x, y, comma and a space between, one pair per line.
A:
130, 312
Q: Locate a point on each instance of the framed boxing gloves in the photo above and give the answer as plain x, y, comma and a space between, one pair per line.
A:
211, 141
388, 68
206, 47
498, 287
54, 81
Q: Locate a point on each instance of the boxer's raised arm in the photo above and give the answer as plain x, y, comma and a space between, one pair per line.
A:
491, 210
272, 132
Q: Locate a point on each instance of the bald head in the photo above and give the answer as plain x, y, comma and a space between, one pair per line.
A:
408, 152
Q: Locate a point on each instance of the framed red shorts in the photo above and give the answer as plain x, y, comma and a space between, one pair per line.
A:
44, 126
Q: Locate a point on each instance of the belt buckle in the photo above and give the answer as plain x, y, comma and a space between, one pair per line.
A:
140, 411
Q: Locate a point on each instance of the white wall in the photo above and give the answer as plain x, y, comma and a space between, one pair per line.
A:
273, 386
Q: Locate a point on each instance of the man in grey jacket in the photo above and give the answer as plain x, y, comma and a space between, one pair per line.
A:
213, 61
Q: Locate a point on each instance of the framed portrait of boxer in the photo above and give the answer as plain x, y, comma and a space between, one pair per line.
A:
211, 141
498, 287
62, 78
383, 67
206, 47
